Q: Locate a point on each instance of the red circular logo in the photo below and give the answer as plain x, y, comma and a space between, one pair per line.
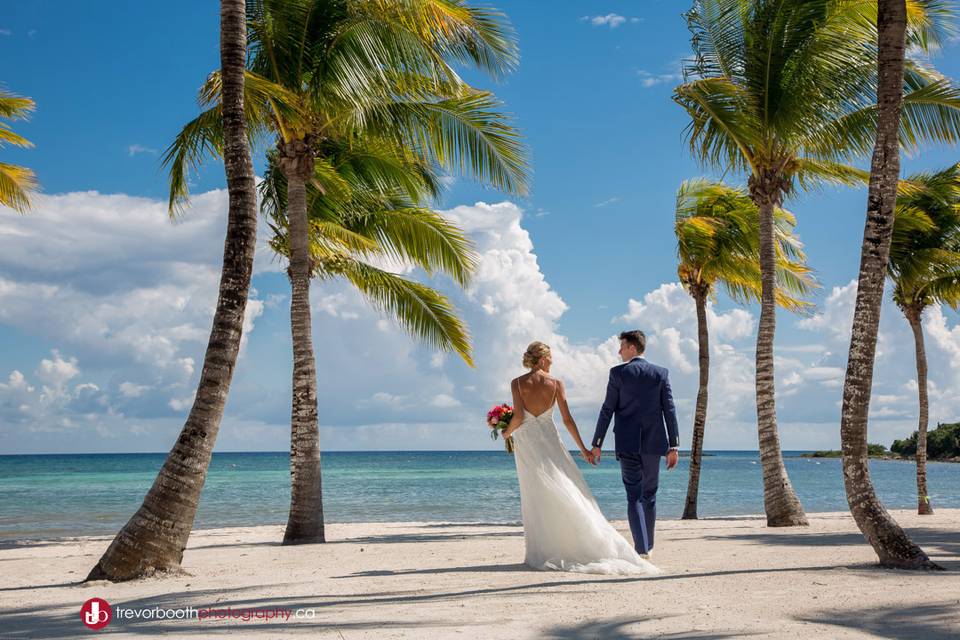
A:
96, 613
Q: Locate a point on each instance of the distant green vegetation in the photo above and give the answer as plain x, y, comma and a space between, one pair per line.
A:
942, 443
873, 450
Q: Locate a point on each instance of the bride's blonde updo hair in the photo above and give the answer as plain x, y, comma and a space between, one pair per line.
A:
534, 352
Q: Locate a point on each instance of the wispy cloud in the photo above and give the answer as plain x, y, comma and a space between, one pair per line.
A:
136, 149
6, 32
648, 79
540, 212
606, 202
31, 33
612, 20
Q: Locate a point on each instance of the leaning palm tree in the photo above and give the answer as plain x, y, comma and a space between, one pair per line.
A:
16, 182
891, 543
924, 267
718, 240
420, 103
321, 72
366, 214
156, 535
783, 91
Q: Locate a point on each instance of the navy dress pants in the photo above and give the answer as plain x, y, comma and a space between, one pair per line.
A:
641, 477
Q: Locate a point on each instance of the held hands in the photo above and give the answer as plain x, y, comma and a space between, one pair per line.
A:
595, 453
588, 456
673, 457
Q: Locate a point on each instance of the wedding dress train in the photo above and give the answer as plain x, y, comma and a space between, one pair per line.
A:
563, 526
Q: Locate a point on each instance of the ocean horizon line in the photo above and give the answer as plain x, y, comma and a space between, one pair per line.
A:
364, 451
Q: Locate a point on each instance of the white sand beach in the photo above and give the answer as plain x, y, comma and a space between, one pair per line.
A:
724, 578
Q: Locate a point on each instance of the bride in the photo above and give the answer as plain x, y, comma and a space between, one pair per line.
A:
563, 526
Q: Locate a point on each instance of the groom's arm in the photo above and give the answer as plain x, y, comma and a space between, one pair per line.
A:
669, 412
606, 411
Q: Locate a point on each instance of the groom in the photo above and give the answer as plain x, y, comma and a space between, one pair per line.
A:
639, 396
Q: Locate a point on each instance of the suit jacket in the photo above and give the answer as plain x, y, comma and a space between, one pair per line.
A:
641, 402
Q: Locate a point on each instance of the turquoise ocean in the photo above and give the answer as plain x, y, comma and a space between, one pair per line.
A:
44, 496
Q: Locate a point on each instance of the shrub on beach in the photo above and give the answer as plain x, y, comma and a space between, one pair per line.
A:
942, 443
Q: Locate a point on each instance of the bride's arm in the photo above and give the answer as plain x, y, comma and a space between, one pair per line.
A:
570, 423
517, 409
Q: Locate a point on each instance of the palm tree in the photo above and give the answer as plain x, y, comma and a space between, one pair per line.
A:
894, 548
322, 71
156, 535
367, 212
16, 182
718, 241
924, 266
784, 92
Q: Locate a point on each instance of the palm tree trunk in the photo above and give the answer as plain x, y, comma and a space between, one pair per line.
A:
780, 501
305, 520
700, 416
891, 543
914, 315
156, 535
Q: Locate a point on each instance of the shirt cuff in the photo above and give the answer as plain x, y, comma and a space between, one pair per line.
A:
674, 449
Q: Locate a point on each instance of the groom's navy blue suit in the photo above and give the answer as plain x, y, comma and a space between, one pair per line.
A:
640, 401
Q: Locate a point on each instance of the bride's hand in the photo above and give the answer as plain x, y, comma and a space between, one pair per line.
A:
587, 455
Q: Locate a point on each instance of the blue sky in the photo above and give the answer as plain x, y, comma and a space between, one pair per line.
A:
111, 296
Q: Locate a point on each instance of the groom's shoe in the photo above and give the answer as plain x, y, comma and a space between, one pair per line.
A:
647, 556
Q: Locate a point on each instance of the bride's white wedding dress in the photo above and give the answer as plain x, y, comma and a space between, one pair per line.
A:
563, 526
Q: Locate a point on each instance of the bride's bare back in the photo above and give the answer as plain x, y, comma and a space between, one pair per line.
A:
537, 391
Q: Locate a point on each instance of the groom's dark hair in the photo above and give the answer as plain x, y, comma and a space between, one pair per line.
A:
636, 338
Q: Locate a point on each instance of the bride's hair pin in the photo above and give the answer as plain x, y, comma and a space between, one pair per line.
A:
534, 353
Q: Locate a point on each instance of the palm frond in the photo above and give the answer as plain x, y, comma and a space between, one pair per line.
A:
814, 173
723, 127
16, 183
267, 105
387, 167
717, 36
466, 134
421, 237
7, 136
356, 65
201, 138
423, 312
718, 239
15, 107
930, 114
945, 289
480, 36
924, 258
930, 23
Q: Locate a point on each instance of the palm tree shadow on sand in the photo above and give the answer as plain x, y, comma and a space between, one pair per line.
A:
620, 629
941, 544
933, 621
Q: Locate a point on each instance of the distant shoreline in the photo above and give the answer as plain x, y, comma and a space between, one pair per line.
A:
886, 456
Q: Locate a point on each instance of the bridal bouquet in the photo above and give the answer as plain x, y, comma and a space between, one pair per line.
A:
498, 419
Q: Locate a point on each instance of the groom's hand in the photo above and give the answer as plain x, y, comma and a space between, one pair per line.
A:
673, 457
596, 454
